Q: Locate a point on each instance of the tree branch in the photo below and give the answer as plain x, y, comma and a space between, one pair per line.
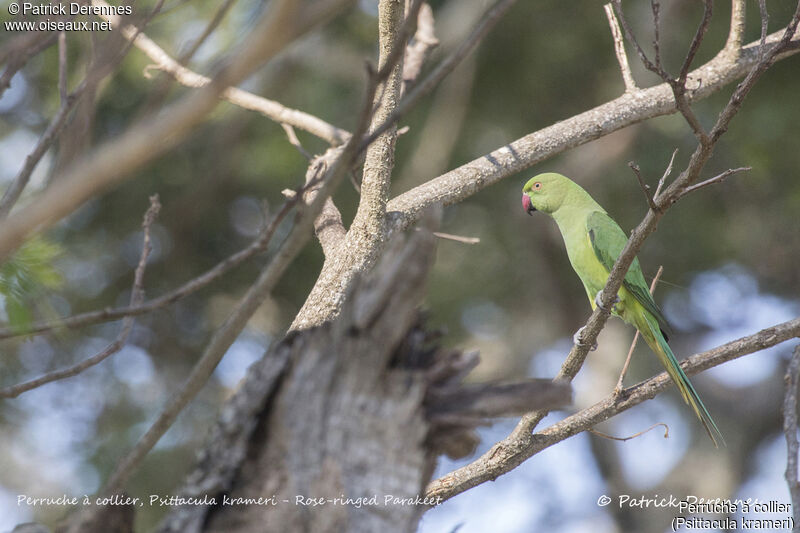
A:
509, 453
236, 321
619, 49
520, 444
113, 161
470, 178
733, 45
137, 295
485, 24
269, 108
790, 430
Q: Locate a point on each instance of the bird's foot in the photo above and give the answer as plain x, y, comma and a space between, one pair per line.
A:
599, 304
577, 339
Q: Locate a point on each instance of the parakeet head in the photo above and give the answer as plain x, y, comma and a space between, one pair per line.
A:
545, 192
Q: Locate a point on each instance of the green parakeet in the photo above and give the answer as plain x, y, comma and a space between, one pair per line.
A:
594, 241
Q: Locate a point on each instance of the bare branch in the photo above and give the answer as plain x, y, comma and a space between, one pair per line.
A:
708, 8
466, 180
18, 52
485, 24
518, 446
716, 179
294, 141
113, 161
137, 295
328, 226
457, 238
733, 45
656, 9
14, 190
268, 108
212, 25
630, 437
762, 8
666, 174
678, 85
512, 451
619, 49
790, 430
62, 66
370, 218
642, 184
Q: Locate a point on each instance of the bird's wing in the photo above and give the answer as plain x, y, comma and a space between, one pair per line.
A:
608, 240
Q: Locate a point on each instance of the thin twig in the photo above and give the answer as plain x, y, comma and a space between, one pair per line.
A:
762, 8
678, 85
114, 161
54, 128
62, 66
137, 295
666, 174
733, 46
708, 9
630, 437
645, 188
792, 380
20, 52
716, 179
484, 25
212, 25
618, 387
619, 49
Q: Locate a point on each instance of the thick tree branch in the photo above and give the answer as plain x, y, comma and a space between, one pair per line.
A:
470, 178
508, 454
269, 108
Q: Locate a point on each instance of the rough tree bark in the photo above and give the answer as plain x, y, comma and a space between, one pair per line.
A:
356, 408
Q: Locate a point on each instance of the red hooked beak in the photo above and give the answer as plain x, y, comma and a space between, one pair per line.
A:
527, 205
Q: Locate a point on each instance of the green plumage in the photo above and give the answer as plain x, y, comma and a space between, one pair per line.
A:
593, 242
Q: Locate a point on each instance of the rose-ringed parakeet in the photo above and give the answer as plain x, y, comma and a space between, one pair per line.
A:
594, 241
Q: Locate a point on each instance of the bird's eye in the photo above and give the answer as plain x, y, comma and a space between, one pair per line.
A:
537, 185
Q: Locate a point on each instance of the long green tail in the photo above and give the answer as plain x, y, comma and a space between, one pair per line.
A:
655, 339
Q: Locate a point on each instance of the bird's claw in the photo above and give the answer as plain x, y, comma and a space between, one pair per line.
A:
576, 338
599, 303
